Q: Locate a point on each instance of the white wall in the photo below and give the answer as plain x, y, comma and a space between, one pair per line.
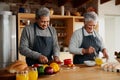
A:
108, 8
105, 10
4, 7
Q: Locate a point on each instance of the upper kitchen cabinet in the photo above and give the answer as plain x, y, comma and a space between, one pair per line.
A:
23, 20
65, 26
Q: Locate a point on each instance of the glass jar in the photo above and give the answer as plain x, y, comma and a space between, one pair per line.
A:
22, 75
33, 74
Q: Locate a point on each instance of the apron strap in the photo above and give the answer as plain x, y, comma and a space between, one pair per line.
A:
36, 25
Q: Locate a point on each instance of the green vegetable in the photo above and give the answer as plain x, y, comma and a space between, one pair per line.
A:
40, 70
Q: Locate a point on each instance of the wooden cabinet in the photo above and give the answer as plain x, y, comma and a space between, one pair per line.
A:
23, 19
64, 25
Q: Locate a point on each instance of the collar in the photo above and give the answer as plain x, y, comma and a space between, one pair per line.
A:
39, 27
87, 34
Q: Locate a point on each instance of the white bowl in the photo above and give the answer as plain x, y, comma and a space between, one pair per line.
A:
89, 63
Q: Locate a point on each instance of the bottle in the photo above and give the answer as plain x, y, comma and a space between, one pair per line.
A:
27, 9
28, 22
62, 10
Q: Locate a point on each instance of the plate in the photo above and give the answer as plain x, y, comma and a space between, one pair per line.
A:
89, 63
66, 67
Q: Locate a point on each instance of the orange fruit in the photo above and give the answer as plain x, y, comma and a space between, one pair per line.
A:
55, 66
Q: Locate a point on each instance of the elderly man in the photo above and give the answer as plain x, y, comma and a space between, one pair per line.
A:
39, 41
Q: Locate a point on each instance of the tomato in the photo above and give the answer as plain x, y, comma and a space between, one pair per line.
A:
35, 65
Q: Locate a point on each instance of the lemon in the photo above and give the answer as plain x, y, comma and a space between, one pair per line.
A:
45, 65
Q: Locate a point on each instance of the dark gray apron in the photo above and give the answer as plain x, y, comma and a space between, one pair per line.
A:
43, 45
86, 43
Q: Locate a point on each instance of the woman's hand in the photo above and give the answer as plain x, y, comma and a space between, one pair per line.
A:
105, 54
89, 50
43, 59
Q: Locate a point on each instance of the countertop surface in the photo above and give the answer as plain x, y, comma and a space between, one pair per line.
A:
82, 72
79, 72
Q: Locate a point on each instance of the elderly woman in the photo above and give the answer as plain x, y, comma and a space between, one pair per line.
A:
86, 43
39, 43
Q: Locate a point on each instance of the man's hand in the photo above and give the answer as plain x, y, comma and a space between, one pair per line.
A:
43, 59
56, 59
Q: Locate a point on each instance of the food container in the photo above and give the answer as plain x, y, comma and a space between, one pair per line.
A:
98, 61
111, 66
67, 61
22, 75
33, 73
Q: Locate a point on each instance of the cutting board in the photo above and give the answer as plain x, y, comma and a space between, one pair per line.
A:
5, 75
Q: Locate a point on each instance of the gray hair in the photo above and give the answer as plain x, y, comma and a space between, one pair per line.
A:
90, 16
43, 11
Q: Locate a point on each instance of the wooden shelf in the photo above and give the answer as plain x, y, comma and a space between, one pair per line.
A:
23, 16
26, 16
60, 27
22, 26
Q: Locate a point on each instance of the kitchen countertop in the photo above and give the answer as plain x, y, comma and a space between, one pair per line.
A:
82, 72
79, 72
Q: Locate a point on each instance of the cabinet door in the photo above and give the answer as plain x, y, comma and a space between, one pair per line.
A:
78, 25
62, 27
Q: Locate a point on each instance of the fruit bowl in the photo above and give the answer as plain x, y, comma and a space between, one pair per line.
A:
47, 69
89, 63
